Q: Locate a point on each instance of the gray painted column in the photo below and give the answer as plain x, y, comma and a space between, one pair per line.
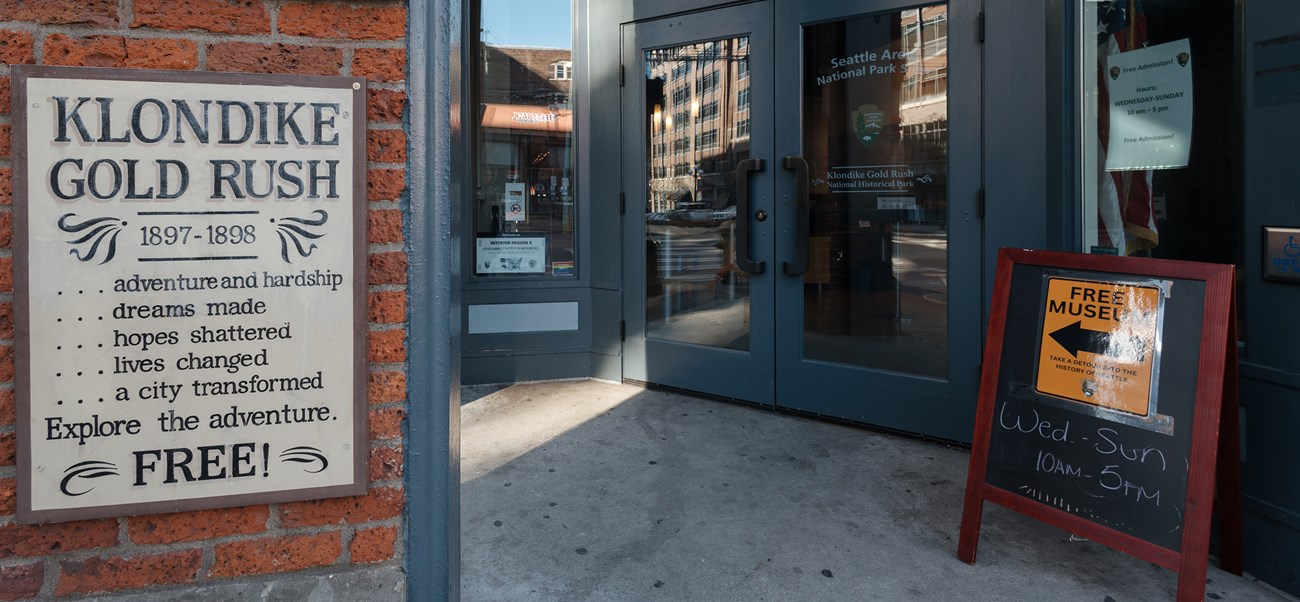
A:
433, 292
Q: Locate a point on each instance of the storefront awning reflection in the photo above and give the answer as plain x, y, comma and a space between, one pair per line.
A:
526, 117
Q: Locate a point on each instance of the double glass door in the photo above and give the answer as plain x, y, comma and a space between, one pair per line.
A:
802, 182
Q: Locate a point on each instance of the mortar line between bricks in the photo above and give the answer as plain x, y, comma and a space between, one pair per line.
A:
126, 11
378, 288
50, 578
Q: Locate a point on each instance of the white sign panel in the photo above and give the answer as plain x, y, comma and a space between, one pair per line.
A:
511, 253
189, 290
516, 200
1150, 107
897, 202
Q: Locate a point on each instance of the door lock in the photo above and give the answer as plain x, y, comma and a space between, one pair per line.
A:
760, 215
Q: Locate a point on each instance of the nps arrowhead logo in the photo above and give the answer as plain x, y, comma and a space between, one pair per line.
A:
868, 122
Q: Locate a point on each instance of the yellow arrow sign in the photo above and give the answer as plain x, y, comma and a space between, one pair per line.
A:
1098, 343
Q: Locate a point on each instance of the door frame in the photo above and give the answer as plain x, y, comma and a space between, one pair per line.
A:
673, 360
936, 407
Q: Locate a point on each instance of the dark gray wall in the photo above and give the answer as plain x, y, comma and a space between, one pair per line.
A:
1270, 383
1015, 131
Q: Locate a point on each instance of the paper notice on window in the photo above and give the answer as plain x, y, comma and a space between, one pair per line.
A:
1150, 107
516, 202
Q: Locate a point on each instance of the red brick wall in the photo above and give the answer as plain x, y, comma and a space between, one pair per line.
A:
360, 38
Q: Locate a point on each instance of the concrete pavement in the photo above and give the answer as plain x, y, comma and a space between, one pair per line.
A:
595, 491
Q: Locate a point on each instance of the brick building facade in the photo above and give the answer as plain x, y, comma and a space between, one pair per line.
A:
219, 551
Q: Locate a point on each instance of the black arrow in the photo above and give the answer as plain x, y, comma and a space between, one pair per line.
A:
1075, 338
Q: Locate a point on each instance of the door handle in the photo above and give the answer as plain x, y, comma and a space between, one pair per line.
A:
801, 211
743, 259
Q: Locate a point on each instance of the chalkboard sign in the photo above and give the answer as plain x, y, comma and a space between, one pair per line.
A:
1100, 405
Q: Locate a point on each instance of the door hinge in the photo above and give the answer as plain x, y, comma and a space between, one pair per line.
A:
622, 73
981, 28
622, 330
622, 203
980, 203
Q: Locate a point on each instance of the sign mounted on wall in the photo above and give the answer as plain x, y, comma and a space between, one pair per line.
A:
190, 290
1281, 254
1107, 405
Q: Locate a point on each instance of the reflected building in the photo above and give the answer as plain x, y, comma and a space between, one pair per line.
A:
698, 98
525, 168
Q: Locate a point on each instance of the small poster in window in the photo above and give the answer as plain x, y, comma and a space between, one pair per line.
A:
516, 202
511, 253
1150, 93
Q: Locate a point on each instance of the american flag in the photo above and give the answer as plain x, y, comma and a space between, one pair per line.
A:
1124, 211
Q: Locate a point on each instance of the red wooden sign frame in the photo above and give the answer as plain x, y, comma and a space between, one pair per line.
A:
1215, 444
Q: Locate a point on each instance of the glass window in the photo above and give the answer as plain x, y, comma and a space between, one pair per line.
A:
562, 70
694, 292
525, 202
1159, 130
709, 111
876, 291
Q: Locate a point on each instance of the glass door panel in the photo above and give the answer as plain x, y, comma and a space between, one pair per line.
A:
698, 292
886, 216
875, 124
697, 111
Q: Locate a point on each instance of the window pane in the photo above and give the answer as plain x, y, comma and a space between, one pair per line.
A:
1161, 138
1159, 125
525, 203
876, 138
694, 292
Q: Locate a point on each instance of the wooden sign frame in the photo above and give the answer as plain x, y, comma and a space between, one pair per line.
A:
1215, 440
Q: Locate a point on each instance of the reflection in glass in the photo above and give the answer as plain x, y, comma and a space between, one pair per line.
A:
1196, 213
1165, 210
524, 207
697, 121
875, 123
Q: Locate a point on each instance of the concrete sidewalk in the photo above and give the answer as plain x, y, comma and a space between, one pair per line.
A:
596, 491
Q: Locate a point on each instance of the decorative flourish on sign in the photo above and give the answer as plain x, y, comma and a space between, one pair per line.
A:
296, 229
96, 231
90, 469
305, 455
